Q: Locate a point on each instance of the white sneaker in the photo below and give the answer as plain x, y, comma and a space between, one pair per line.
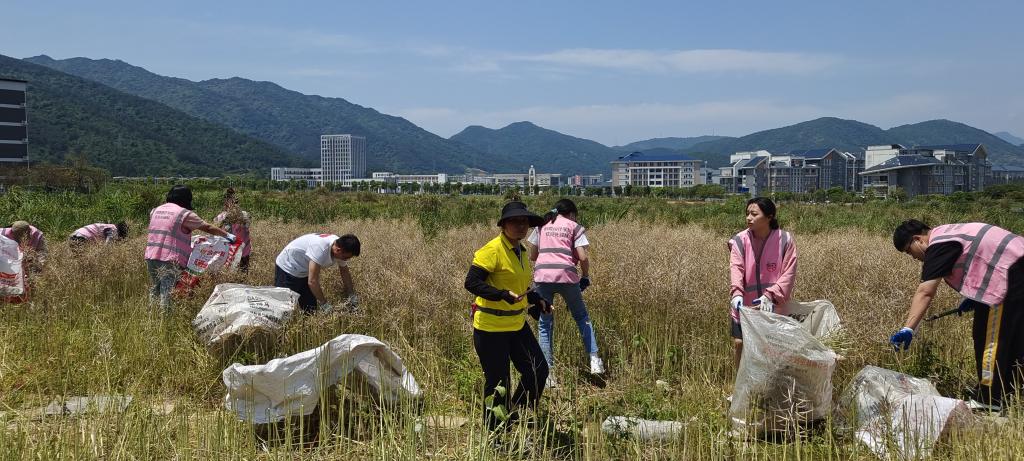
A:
596, 365
551, 383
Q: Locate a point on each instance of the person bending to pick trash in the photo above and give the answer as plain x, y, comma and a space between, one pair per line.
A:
762, 267
236, 221
982, 262
169, 241
98, 233
500, 277
299, 266
557, 247
31, 241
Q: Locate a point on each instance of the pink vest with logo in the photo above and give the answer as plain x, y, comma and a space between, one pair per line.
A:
556, 252
982, 271
35, 236
770, 259
165, 240
241, 232
95, 232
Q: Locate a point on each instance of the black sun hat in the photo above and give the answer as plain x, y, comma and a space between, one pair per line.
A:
516, 209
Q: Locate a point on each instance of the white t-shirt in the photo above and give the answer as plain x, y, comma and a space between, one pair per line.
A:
581, 241
295, 257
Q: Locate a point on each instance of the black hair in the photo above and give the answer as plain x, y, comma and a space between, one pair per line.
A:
349, 243
767, 207
122, 230
180, 195
562, 207
906, 231
230, 197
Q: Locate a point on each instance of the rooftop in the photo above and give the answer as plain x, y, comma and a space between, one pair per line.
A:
655, 157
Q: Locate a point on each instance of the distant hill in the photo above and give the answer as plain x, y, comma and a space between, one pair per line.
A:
546, 150
1005, 136
129, 135
853, 136
289, 119
667, 143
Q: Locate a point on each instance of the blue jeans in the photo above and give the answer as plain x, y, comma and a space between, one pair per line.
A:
163, 275
570, 292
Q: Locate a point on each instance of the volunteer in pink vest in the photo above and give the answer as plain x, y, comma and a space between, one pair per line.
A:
762, 267
557, 247
982, 262
169, 241
236, 221
98, 233
31, 240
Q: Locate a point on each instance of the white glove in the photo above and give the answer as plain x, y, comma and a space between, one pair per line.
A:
765, 303
353, 303
230, 237
326, 308
736, 302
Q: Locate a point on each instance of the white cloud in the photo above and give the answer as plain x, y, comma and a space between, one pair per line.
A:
685, 61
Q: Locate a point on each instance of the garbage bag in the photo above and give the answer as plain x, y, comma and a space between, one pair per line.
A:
819, 317
209, 254
292, 386
896, 415
236, 311
784, 378
643, 429
13, 286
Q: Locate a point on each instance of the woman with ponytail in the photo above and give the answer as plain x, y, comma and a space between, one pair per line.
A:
762, 266
557, 247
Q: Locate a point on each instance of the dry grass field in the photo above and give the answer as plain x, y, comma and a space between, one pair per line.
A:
659, 304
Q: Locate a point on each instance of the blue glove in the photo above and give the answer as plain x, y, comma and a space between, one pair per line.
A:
902, 337
584, 283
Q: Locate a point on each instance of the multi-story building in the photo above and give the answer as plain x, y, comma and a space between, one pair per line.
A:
587, 180
312, 176
761, 172
342, 157
1006, 174
386, 176
656, 169
13, 121
940, 169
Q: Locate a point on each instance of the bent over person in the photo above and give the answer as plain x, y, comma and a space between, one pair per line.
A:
762, 267
98, 233
982, 262
299, 265
31, 240
500, 277
169, 241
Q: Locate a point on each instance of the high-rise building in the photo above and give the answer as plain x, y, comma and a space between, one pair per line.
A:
13, 121
342, 157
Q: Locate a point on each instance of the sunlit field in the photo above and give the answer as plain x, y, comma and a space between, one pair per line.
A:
659, 304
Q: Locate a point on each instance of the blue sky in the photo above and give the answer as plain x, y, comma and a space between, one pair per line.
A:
615, 72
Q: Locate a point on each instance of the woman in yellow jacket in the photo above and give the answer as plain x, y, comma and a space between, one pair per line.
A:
500, 277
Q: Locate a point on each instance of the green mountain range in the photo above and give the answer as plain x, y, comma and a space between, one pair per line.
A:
667, 143
1010, 138
547, 150
289, 119
129, 135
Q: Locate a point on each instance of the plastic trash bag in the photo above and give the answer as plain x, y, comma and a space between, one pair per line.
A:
236, 312
13, 286
643, 429
819, 317
292, 386
209, 254
784, 378
896, 415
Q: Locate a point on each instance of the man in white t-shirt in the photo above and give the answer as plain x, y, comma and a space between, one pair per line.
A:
300, 263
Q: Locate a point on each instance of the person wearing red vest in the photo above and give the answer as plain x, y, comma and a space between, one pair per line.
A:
762, 267
557, 247
169, 241
32, 243
984, 264
98, 233
236, 221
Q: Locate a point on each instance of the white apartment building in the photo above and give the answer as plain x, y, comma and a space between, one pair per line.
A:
312, 176
641, 169
342, 158
387, 176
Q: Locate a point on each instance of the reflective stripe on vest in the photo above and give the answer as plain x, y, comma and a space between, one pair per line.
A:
752, 264
167, 240
556, 260
982, 271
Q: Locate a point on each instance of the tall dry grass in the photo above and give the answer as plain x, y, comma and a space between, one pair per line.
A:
658, 303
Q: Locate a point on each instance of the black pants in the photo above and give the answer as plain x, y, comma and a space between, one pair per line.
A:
496, 350
999, 342
300, 285
243, 265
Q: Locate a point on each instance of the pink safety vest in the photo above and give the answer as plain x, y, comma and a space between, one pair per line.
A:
556, 252
982, 271
165, 240
770, 267
95, 232
241, 232
35, 236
